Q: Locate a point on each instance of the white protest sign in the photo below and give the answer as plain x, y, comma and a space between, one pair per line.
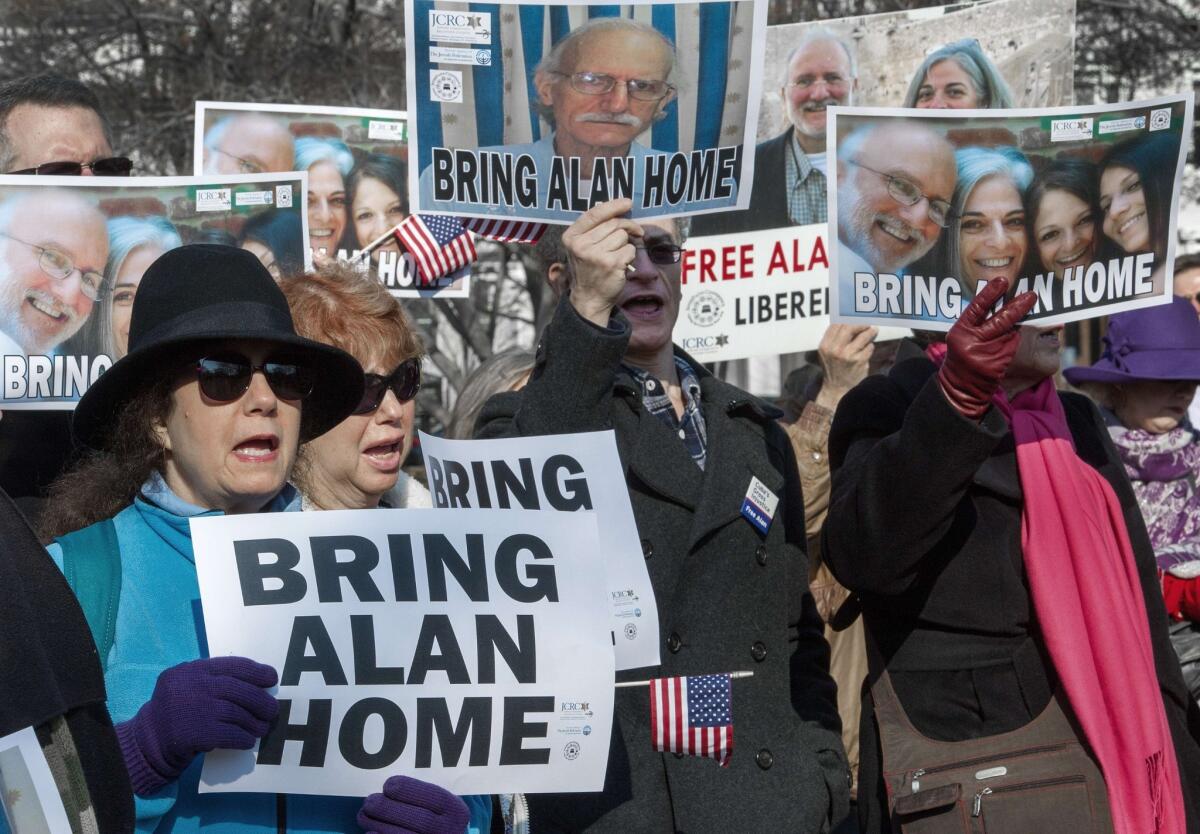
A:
756, 293
469, 650
564, 472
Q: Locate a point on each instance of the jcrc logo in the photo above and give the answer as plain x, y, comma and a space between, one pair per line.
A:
704, 342
454, 19
624, 596
582, 707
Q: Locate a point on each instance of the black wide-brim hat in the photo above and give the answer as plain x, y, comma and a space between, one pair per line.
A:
203, 293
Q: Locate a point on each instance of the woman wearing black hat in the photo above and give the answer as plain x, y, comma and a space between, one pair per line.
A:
203, 415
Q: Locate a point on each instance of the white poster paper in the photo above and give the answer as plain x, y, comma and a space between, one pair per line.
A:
473, 654
565, 472
28, 795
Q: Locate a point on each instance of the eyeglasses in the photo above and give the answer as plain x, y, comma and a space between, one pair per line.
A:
245, 166
404, 382
661, 252
112, 166
60, 267
906, 193
226, 377
599, 84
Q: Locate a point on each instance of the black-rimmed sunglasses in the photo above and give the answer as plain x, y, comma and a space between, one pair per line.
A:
404, 382
112, 166
661, 252
226, 377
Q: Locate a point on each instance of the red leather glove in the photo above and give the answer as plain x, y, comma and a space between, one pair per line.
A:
979, 348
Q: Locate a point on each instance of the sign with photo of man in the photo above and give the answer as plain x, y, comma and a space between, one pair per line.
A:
1001, 53
73, 250
1078, 204
539, 111
357, 164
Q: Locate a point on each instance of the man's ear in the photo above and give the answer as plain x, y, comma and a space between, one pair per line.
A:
543, 82
558, 278
160, 434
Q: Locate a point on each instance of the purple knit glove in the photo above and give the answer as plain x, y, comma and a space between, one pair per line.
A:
209, 704
410, 806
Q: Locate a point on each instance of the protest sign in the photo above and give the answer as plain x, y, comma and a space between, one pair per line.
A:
72, 253
357, 160
537, 111
565, 472
1076, 203
1025, 45
29, 798
475, 655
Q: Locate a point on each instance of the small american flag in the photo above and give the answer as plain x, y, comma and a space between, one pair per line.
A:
693, 715
505, 231
439, 245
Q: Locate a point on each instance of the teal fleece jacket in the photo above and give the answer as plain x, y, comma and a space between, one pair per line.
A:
159, 625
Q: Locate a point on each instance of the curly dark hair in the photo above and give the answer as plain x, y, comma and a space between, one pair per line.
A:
106, 480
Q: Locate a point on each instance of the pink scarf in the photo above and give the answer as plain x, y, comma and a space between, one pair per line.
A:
1088, 600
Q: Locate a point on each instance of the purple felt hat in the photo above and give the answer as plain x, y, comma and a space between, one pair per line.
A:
1161, 342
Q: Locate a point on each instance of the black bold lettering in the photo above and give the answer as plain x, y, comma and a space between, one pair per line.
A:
481, 486
436, 629
574, 495
404, 578
520, 655
310, 630
252, 571
443, 176
471, 574
545, 585
524, 488
517, 729
395, 733
457, 484
313, 734
437, 484
433, 720
356, 570
366, 664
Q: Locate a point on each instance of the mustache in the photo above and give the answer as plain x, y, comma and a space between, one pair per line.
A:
51, 302
810, 106
610, 118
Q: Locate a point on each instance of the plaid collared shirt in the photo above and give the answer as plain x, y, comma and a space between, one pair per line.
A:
808, 201
691, 429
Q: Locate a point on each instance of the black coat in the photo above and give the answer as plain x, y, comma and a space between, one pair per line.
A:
768, 195
925, 524
728, 599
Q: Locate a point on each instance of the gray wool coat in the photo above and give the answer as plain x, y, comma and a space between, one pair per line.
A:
728, 599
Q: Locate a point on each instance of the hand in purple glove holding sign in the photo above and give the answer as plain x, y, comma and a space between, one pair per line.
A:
410, 806
208, 704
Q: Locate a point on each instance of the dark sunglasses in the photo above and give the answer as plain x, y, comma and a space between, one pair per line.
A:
113, 166
226, 377
404, 382
662, 252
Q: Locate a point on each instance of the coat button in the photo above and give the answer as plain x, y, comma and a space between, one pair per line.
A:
674, 643
760, 554
647, 548
764, 759
758, 651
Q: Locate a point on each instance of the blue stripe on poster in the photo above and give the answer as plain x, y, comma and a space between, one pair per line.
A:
560, 23
533, 31
429, 113
665, 133
713, 73
489, 86
604, 11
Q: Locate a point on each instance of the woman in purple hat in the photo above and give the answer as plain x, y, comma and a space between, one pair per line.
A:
1144, 383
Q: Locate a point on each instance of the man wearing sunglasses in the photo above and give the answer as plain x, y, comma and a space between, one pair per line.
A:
731, 587
895, 181
53, 125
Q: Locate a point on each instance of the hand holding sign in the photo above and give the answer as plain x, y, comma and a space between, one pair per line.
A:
980, 347
845, 352
209, 704
410, 805
599, 248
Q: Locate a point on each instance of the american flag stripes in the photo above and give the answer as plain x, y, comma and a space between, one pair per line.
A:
693, 715
505, 231
439, 245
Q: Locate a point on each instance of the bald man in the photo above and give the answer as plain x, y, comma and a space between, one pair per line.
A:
54, 246
250, 143
895, 181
